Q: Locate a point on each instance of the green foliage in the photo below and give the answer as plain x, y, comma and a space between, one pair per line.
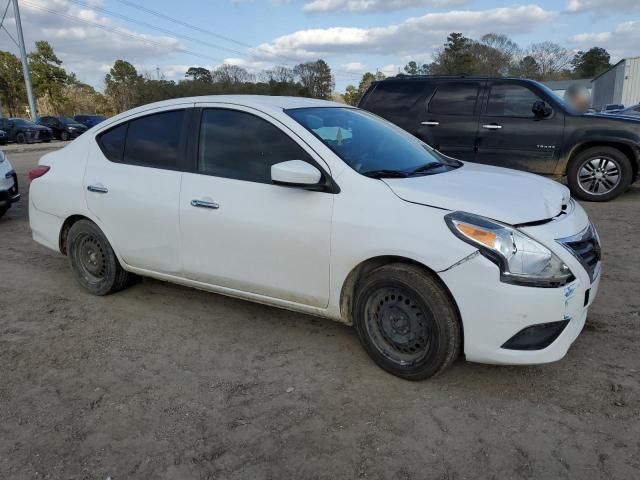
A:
47, 76
353, 95
315, 78
456, 58
412, 68
123, 86
199, 74
12, 89
591, 63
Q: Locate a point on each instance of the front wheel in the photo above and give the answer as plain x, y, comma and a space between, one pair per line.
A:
20, 138
599, 174
406, 321
64, 136
93, 261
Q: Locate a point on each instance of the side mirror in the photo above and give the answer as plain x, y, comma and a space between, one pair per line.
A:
295, 173
541, 109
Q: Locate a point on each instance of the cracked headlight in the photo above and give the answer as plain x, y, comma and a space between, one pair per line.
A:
521, 259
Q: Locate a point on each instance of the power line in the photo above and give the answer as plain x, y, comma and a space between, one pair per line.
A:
154, 27
120, 32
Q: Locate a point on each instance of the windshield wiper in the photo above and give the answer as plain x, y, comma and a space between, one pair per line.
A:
426, 167
385, 174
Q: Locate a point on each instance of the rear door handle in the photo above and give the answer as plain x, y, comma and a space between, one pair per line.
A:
98, 189
430, 123
203, 204
492, 126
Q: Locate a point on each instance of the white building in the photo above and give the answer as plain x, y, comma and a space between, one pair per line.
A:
620, 84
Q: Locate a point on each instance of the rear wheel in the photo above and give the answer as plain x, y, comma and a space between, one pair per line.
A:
93, 261
406, 321
599, 174
64, 136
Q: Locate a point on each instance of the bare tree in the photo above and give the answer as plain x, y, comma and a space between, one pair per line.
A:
553, 60
278, 74
231, 75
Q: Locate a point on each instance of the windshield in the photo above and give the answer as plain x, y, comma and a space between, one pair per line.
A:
369, 144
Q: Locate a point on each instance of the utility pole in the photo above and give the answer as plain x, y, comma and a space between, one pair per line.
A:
25, 63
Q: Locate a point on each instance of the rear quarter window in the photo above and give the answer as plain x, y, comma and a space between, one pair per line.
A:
397, 101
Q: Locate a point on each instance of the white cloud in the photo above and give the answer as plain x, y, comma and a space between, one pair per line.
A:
391, 70
84, 48
621, 42
610, 6
414, 35
353, 67
376, 5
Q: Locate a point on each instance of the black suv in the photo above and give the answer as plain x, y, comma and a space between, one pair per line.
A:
514, 123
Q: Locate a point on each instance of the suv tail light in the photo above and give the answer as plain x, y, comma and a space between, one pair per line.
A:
37, 172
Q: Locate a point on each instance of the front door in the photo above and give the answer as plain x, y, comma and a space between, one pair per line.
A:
449, 120
239, 230
132, 186
510, 135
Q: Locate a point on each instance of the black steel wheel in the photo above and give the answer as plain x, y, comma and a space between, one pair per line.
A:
599, 174
93, 261
64, 136
406, 321
20, 138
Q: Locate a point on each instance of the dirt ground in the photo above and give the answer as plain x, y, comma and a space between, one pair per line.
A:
165, 382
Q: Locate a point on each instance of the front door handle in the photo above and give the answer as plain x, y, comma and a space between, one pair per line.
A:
203, 204
492, 126
430, 123
98, 189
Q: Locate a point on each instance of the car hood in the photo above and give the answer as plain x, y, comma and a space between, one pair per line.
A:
502, 194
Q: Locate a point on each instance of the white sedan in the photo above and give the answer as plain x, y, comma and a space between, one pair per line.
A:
9, 192
328, 210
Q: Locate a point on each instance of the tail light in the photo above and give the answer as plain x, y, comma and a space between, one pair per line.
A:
37, 172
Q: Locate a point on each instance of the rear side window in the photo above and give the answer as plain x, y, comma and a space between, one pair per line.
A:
112, 142
455, 99
241, 146
394, 95
154, 140
150, 141
508, 100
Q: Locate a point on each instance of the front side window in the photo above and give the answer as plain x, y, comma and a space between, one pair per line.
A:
241, 146
368, 144
508, 100
455, 99
112, 142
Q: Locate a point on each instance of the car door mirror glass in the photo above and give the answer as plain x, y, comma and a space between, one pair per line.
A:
295, 172
540, 109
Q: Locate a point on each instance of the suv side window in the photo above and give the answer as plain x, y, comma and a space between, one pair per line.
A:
239, 145
456, 98
391, 94
509, 100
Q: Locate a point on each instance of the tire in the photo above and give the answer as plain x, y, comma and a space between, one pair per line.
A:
406, 321
3, 210
20, 138
93, 261
64, 136
599, 174
47, 141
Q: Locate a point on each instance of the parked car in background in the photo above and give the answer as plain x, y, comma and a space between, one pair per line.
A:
63, 128
9, 192
20, 130
325, 209
630, 111
612, 108
515, 123
89, 121
4, 138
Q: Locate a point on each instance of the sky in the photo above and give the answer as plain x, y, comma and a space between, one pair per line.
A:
353, 36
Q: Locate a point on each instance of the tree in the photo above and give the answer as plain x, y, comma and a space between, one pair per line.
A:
231, 75
351, 95
591, 63
316, 79
494, 54
412, 68
279, 74
199, 74
527, 67
456, 58
552, 60
122, 85
47, 76
12, 90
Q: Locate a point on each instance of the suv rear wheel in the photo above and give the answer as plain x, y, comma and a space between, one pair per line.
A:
406, 321
599, 174
93, 261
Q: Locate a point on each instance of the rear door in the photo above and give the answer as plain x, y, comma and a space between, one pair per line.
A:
510, 135
449, 120
132, 186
